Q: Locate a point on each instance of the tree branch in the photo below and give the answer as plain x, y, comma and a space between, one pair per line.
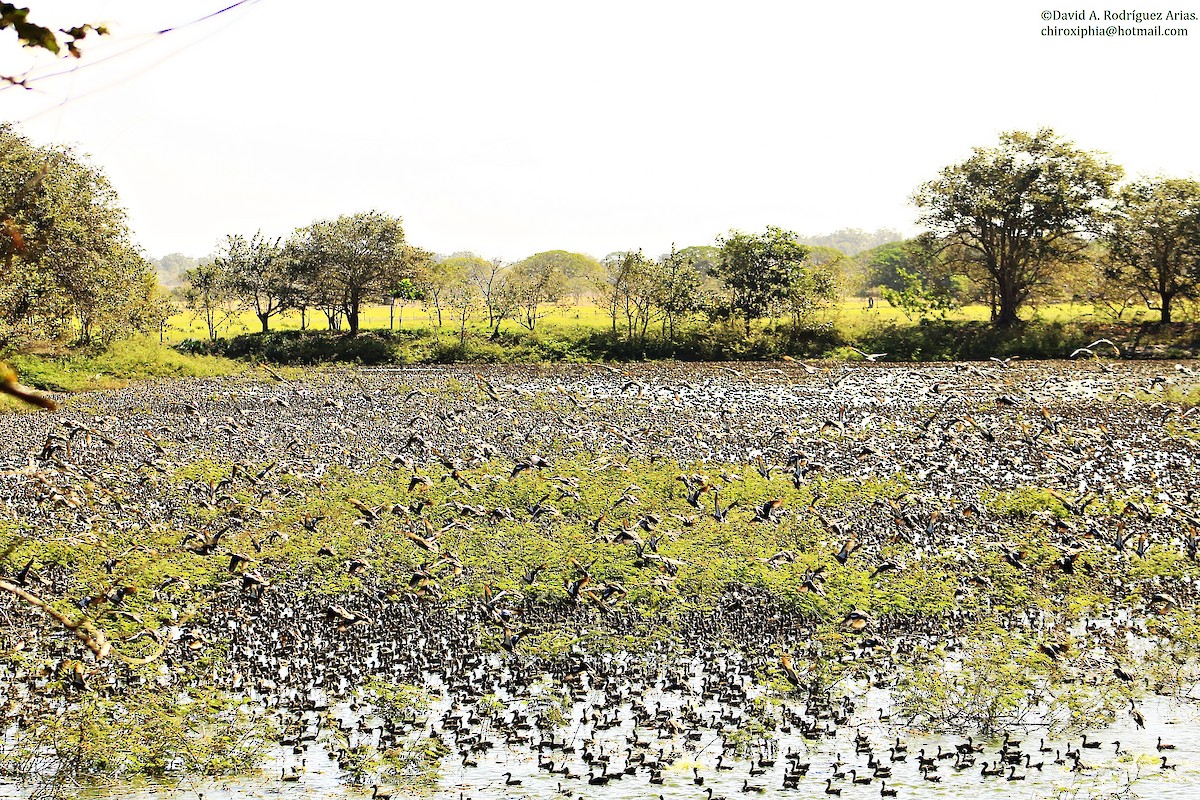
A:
83, 628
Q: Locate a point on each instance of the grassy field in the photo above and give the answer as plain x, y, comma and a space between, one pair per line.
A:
850, 315
137, 358
569, 332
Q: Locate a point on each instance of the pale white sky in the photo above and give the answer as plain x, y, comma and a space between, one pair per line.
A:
516, 127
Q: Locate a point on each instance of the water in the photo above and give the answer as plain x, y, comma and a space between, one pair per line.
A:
1134, 772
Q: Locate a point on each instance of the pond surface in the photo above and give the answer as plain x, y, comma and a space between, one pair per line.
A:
921, 491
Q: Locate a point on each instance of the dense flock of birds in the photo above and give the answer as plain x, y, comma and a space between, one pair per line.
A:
731, 701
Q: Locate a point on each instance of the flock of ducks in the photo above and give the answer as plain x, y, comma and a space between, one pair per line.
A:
553, 676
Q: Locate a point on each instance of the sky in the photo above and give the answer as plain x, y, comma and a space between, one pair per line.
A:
512, 128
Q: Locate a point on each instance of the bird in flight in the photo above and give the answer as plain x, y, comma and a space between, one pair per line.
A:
869, 356
10, 386
1091, 348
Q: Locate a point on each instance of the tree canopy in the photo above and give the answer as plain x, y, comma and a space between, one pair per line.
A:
257, 274
352, 260
764, 270
67, 262
1017, 209
1154, 239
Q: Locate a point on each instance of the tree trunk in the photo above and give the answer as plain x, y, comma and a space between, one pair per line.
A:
265, 320
1165, 303
1007, 313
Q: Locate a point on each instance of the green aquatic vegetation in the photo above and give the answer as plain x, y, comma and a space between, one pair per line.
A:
1162, 562
553, 708
1026, 501
413, 762
992, 686
395, 701
197, 731
925, 590
836, 491
751, 734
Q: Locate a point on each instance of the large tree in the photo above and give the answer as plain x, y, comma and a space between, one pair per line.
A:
760, 271
490, 279
626, 291
353, 259
67, 262
1154, 240
1018, 209
676, 289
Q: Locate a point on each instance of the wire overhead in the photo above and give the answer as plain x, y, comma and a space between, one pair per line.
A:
137, 44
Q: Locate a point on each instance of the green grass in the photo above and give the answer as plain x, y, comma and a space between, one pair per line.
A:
138, 358
850, 316
583, 332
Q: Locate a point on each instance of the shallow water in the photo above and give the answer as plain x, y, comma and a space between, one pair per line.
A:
1135, 772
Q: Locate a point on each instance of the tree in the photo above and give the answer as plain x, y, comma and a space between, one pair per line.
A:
347, 261
170, 268
257, 275
463, 297
445, 275
703, 258
676, 286
852, 241
404, 291
536, 280
488, 278
502, 298
759, 270
158, 310
913, 276
66, 257
1154, 240
627, 291
1018, 209
207, 295
110, 300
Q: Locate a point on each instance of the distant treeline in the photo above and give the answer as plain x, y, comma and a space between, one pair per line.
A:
1029, 221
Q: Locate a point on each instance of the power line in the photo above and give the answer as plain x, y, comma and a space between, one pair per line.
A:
144, 40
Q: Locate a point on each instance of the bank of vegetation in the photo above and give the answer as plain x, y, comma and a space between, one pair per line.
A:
1032, 248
